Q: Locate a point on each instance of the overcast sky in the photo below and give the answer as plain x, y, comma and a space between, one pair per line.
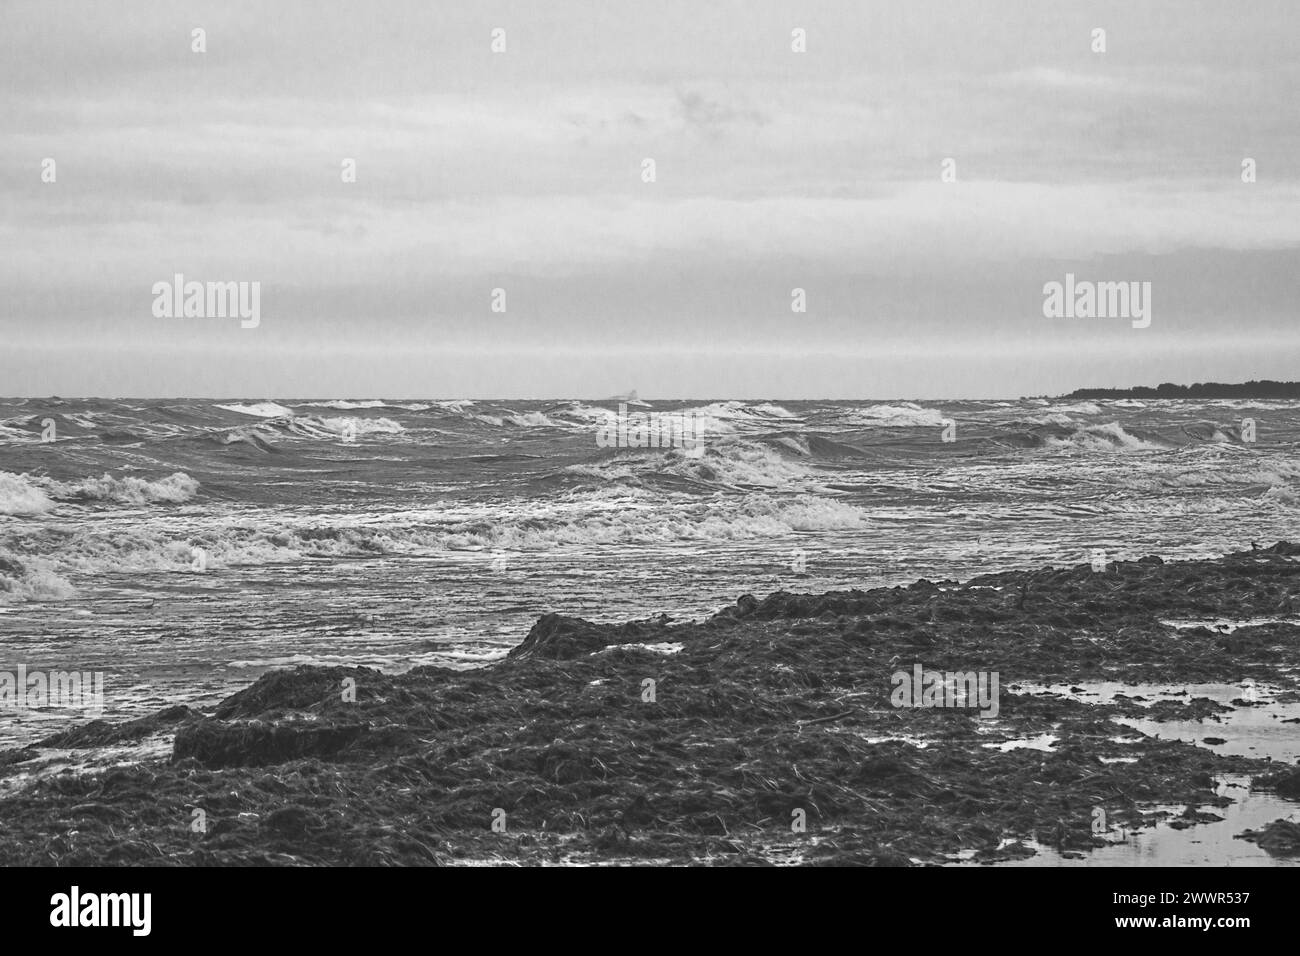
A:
522, 170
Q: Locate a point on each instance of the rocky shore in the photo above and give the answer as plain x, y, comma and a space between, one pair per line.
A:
763, 734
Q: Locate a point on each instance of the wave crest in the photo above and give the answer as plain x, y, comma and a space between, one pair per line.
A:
34, 495
30, 579
1109, 437
19, 497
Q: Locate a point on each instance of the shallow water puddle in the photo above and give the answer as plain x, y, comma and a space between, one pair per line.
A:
1245, 732
1102, 692
1228, 625
1204, 844
920, 743
1040, 742
1250, 729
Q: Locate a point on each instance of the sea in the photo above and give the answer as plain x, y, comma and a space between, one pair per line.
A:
181, 548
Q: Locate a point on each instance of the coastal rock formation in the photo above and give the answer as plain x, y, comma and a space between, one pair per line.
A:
763, 734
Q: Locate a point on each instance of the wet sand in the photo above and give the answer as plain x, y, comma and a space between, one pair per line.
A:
767, 736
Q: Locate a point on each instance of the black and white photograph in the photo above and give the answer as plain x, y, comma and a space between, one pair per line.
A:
650, 435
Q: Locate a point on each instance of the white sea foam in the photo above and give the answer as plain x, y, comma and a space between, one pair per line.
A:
173, 489
314, 426
24, 578
1077, 408
533, 420
587, 414
18, 496
341, 404
33, 495
259, 409
901, 415
732, 462
1280, 479
1053, 418
727, 418
1109, 437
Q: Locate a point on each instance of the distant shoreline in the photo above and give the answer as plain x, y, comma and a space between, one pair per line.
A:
1253, 389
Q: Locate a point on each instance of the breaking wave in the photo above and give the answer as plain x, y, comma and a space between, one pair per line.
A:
19, 497
1111, 437
30, 579
735, 463
901, 415
620, 516
28, 495
259, 409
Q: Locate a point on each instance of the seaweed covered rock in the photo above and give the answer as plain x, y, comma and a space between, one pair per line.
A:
772, 711
1279, 838
295, 689
783, 604
1285, 782
559, 638
100, 733
252, 743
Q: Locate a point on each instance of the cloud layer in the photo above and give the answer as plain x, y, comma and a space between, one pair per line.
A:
523, 170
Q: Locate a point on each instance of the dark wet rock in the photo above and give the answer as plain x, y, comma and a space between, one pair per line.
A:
100, 733
1192, 816
559, 638
292, 821
1285, 782
863, 856
296, 689
1279, 838
219, 743
1012, 851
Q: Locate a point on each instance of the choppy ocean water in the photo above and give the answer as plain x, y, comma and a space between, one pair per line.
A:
184, 547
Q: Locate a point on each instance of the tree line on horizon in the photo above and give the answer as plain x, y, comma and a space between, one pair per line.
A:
1252, 389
